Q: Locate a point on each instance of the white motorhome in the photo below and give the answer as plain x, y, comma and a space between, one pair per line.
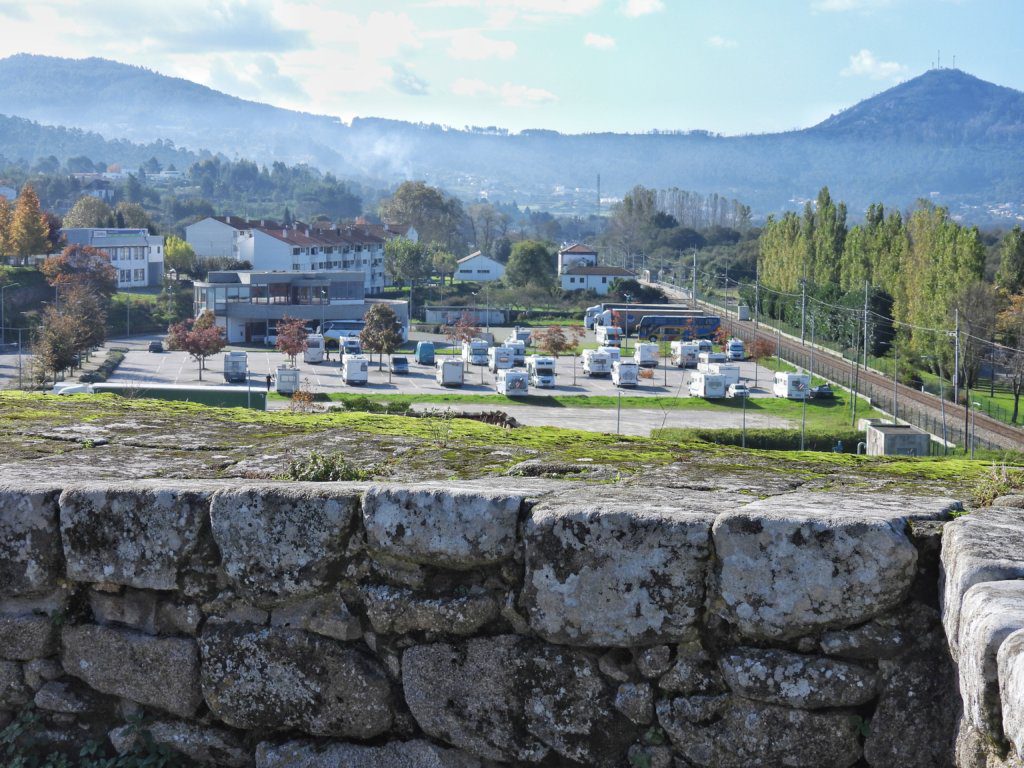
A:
731, 372
608, 336
450, 372
355, 369
684, 354
235, 366
286, 380
350, 346
793, 386
705, 345
520, 334
314, 349
512, 383
596, 363
625, 373
474, 352
706, 359
499, 359
646, 355
518, 348
541, 370
735, 349
710, 386
614, 353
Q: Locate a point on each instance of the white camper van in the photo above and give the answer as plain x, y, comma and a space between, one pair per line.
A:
596, 363
314, 349
646, 355
684, 354
512, 383
608, 336
287, 380
499, 359
474, 352
235, 366
450, 372
735, 349
710, 386
793, 386
731, 372
355, 369
541, 370
625, 373
614, 353
518, 347
706, 359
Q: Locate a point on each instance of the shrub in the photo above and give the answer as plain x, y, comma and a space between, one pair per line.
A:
324, 468
767, 439
106, 369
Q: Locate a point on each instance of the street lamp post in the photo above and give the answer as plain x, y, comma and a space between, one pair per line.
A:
974, 424
3, 319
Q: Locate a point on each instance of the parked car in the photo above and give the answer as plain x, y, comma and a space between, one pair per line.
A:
399, 365
822, 392
737, 390
156, 346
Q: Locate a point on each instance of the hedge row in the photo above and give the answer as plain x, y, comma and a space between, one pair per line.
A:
768, 439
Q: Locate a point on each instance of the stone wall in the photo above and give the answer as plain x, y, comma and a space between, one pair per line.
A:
295, 625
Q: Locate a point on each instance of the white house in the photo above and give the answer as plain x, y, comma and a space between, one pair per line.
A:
218, 236
137, 255
479, 268
595, 278
576, 255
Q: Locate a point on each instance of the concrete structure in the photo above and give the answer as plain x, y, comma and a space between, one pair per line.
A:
592, 278
137, 255
248, 304
479, 268
478, 315
897, 440
576, 255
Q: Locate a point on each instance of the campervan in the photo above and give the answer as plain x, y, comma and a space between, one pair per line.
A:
625, 373
646, 355
684, 354
425, 352
735, 349
520, 334
355, 369
449, 372
793, 386
512, 383
707, 359
350, 346
499, 359
608, 336
541, 370
596, 363
731, 372
314, 349
710, 386
614, 353
287, 380
518, 351
235, 366
474, 352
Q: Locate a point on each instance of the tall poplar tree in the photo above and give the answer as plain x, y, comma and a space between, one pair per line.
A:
29, 227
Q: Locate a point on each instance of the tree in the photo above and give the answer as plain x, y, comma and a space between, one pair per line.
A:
83, 266
179, 256
444, 263
89, 211
530, 262
30, 230
292, 337
463, 329
6, 217
435, 216
556, 340
88, 313
54, 347
133, 216
1010, 323
501, 249
201, 337
406, 261
380, 332
1010, 276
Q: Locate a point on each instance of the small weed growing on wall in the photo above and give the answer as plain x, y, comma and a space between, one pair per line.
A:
325, 468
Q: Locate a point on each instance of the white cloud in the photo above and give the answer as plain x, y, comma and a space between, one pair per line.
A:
717, 41
471, 45
601, 42
509, 94
839, 6
636, 8
547, 7
864, 64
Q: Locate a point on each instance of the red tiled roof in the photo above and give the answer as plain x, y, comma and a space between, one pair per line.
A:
578, 248
599, 271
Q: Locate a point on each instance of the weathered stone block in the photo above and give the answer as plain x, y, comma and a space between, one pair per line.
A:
282, 541
395, 754
276, 679
200, 743
796, 680
990, 613
509, 698
917, 712
749, 733
328, 616
14, 693
986, 545
72, 699
394, 610
31, 561
447, 528
134, 534
795, 564
611, 575
158, 672
23, 638
134, 608
1010, 666
636, 701
694, 673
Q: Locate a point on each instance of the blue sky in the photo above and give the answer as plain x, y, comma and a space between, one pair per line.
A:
730, 66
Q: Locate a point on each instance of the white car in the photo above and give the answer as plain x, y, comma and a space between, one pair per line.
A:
737, 390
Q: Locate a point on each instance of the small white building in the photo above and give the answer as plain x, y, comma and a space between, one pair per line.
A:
219, 236
137, 255
576, 255
479, 268
597, 279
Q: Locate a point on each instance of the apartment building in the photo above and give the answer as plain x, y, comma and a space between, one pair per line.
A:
137, 255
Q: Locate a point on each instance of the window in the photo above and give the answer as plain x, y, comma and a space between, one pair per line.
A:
140, 274
126, 276
604, 279
295, 251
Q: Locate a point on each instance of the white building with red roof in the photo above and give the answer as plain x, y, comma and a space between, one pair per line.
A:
576, 255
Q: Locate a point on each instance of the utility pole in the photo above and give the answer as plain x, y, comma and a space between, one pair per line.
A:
895, 382
757, 292
803, 307
956, 357
3, 321
693, 294
866, 288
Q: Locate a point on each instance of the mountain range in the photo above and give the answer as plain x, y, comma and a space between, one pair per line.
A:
944, 135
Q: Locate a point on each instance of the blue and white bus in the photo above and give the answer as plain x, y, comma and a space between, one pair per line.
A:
659, 328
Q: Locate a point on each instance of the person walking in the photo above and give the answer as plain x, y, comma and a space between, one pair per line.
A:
268, 382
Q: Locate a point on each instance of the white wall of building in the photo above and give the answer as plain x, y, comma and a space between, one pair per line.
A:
210, 238
480, 268
600, 284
